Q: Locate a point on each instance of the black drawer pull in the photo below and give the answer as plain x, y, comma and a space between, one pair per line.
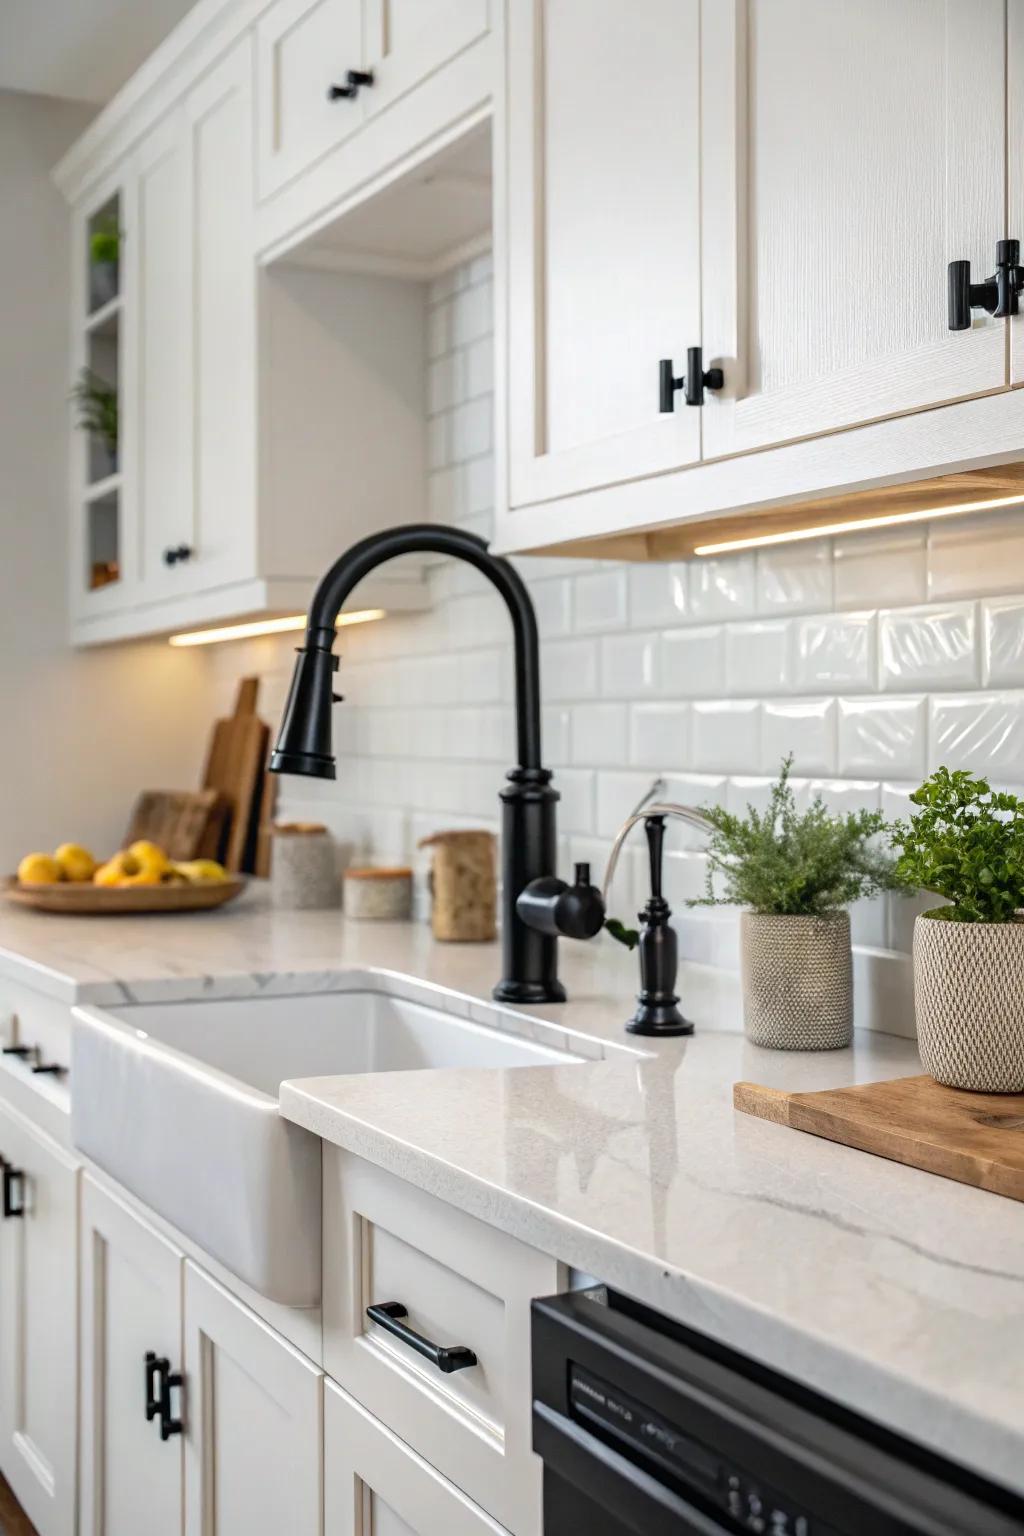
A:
158, 1366
54, 1068
388, 1315
14, 1191
19, 1050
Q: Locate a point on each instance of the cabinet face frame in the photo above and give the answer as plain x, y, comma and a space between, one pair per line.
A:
38, 1268
959, 366
669, 441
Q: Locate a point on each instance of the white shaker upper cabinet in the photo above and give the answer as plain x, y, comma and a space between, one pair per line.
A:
304, 51
603, 235
406, 40
850, 151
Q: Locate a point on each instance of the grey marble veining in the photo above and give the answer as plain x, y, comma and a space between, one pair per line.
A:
896, 1292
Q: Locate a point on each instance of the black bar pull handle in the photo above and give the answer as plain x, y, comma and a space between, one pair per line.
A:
53, 1068
997, 295
14, 1191
388, 1315
155, 1367
169, 1425
19, 1050
693, 382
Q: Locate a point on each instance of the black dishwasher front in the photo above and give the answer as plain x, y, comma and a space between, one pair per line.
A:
646, 1428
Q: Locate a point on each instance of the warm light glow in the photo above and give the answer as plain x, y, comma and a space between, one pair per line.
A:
856, 525
268, 627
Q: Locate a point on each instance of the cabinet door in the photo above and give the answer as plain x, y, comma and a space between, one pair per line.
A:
254, 1442
1015, 140
38, 1336
131, 1304
303, 48
603, 233
850, 152
159, 406
406, 40
219, 519
377, 1486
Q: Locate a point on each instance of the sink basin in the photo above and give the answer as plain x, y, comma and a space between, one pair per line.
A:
179, 1103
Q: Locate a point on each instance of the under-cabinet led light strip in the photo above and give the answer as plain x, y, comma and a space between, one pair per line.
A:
856, 525
268, 627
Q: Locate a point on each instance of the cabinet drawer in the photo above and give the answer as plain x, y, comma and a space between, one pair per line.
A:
373, 1482
41, 1023
303, 47
460, 1283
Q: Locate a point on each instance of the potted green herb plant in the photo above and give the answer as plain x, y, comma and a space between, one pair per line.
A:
794, 873
104, 262
965, 842
97, 414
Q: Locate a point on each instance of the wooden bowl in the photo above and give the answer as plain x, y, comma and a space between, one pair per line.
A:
83, 899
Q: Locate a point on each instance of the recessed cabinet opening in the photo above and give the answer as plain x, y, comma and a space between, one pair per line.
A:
345, 347
96, 394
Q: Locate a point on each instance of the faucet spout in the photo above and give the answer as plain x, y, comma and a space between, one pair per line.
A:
530, 963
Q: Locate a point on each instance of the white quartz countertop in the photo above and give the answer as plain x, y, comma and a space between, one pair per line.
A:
898, 1293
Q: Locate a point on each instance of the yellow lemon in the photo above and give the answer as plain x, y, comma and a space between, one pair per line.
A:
120, 867
76, 862
202, 871
39, 869
149, 855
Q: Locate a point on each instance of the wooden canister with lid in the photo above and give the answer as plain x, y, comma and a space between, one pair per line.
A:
463, 885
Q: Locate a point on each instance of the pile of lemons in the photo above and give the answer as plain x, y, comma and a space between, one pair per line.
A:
144, 863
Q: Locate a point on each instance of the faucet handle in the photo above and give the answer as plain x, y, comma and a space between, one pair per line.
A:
554, 907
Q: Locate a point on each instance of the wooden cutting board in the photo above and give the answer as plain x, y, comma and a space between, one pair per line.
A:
975, 1138
186, 824
235, 765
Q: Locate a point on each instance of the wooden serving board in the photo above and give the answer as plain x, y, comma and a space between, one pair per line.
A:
975, 1138
186, 824
87, 900
235, 765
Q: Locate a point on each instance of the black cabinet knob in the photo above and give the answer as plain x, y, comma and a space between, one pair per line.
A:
178, 553
354, 78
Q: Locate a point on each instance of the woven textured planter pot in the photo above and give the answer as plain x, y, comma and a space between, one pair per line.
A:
969, 1001
797, 981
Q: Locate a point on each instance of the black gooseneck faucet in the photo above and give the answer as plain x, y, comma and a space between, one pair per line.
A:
528, 839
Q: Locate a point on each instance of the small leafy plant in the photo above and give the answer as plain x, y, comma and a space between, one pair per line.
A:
966, 843
105, 242
790, 863
97, 407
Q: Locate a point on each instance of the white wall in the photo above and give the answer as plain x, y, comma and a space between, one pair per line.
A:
872, 659
80, 733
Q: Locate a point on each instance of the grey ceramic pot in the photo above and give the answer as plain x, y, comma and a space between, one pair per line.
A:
969, 1001
797, 981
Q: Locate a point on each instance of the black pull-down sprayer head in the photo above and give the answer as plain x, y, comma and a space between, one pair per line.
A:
528, 838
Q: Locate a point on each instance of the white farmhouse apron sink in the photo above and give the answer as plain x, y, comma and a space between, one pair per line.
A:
179, 1102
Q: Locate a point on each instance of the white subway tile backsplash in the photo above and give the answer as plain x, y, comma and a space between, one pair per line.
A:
1003, 621
795, 578
630, 666
601, 600
659, 736
881, 569
834, 650
658, 594
757, 656
922, 648
726, 734
600, 734
885, 737
978, 731
693, 662
862, 656
804, 727
722, 588
974, 556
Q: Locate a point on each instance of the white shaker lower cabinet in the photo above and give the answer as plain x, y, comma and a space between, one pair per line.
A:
38, 1336
457, 1282
254, 1422
376, 1486
131, 1477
